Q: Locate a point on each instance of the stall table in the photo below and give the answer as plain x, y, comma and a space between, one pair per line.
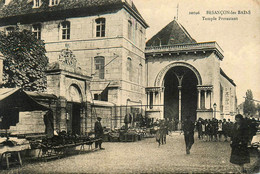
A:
12, 152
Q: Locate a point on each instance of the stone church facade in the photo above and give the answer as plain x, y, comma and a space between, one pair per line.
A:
98, 59
185, 79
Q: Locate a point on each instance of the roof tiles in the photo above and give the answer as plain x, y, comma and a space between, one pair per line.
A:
173, 33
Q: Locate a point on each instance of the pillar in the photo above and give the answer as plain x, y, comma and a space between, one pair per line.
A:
148, 100
153, 101
205, 99
199, 100
162, 101
159, 101
210, 102
179, 124
159, 97
82, 120
62, 115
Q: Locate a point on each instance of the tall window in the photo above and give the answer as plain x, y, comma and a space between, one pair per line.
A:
65, 30
141, 38
9, 30
54, 2
36, 30
130, 25
129, 69
37, 3
99, 67
100, 27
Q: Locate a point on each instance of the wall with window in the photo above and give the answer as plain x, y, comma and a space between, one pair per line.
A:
36, 30
93, 37
82, 28
133, 74
134, 31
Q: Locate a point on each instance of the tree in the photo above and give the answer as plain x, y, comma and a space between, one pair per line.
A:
25, 60
249, 105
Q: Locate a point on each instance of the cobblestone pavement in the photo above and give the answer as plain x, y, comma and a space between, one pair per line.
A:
144, 157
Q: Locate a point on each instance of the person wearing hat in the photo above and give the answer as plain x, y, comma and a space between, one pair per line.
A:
98, 133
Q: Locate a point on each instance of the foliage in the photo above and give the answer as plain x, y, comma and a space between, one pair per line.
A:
249, 105
25, 60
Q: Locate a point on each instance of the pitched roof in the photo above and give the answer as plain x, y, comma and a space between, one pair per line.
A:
18, 8
229, 79
16, 98
173, 33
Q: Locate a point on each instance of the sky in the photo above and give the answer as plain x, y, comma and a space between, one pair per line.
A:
239, 38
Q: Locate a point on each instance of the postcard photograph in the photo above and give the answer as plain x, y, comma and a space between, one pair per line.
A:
129, 86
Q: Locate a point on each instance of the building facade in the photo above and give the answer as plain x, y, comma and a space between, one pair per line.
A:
184, 78
99, 60
106, 39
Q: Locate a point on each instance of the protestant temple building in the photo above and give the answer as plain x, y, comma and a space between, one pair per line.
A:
101, 65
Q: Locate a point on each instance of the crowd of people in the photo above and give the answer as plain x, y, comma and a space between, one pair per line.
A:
239, 133
221, 130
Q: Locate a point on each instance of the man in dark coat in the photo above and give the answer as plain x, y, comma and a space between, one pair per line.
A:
188, 129
98, 133
199, 128
225, 129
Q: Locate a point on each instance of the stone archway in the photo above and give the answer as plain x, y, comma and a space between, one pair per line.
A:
71, 85
180, 81
74, 93
160, 77
74, 108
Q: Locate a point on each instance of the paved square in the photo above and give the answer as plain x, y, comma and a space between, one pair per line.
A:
145, 157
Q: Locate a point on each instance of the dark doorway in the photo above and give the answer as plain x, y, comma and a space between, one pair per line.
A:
76, 118
188, 93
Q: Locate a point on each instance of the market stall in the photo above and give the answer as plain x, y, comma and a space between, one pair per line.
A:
12, 102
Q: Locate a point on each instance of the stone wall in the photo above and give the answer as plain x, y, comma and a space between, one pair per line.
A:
105, 113
29, 122
229, 99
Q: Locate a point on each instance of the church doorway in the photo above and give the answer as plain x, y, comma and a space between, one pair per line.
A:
73, 118
74, 109
76, 118
180, 94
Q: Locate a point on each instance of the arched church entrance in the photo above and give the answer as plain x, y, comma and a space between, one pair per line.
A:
74, 109
180, 93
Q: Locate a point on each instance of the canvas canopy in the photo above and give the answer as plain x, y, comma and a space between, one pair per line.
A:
13, 101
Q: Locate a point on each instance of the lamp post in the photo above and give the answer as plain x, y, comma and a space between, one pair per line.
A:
215, 107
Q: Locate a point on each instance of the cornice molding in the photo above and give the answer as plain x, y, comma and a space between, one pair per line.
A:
194, 48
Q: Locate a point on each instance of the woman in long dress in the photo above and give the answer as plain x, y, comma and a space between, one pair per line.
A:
240, 152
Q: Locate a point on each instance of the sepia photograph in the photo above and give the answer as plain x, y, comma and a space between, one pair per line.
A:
130, 86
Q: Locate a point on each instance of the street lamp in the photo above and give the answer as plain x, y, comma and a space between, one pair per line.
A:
215, 107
